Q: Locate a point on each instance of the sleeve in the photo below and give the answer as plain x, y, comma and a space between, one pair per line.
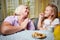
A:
31, 25
55, 22
9, 19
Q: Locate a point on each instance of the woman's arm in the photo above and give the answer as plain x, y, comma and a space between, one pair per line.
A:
7, 28
39, 26
31, 25
40, 21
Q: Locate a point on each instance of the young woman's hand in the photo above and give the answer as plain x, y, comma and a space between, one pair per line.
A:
40, 21
41, 16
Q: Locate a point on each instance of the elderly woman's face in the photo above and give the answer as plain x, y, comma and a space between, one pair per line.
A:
25, 11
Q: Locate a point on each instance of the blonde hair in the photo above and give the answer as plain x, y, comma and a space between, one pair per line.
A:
18, 10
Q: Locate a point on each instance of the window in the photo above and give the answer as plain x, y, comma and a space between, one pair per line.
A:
11, 5
0, 11
31, 4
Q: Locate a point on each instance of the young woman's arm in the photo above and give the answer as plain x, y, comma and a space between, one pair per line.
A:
40, 21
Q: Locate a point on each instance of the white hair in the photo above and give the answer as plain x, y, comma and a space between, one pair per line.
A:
19, 9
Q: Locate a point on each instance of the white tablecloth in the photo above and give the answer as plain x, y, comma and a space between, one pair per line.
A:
27, 35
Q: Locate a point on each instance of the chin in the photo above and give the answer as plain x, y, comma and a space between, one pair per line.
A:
25, 17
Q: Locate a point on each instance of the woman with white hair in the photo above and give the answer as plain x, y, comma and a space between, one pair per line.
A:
19, 21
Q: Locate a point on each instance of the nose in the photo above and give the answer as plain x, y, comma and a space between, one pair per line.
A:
27, 10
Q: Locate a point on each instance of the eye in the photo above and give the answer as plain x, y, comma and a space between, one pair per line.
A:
26, 7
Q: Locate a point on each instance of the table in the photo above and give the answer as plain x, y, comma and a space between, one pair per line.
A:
27, 35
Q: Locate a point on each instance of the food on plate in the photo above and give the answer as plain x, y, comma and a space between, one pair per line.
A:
38, 35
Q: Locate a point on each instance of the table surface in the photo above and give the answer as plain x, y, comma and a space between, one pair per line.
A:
27, 35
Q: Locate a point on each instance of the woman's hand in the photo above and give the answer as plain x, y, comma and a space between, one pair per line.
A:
41, 16
40, 21
24, 23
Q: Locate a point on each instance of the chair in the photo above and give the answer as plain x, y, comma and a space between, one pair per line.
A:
57, 32
35, 21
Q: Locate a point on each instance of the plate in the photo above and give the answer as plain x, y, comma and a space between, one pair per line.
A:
38, 35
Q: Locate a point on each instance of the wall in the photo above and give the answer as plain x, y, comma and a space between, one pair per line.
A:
2, 10
39, 7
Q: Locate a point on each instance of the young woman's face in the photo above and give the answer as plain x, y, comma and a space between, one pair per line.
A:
48, 11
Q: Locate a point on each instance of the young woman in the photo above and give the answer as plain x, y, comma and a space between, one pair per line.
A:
49, 19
